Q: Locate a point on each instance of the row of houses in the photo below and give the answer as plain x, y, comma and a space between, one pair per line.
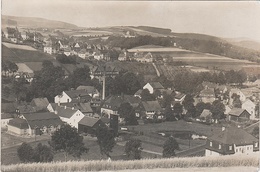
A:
247, 102
15, 36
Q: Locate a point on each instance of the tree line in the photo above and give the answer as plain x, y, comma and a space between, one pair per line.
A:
188, 82
68, 141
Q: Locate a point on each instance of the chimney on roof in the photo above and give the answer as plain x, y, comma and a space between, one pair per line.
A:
72, 108
223, 128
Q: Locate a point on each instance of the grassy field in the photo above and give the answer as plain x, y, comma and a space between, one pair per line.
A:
104, 165
17, 46
21, 55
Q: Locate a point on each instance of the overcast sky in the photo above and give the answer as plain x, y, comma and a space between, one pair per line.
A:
224, 19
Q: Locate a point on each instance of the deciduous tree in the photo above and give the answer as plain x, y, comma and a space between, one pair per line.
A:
25, 153
67, 140
106, 140
169, 147
133, 148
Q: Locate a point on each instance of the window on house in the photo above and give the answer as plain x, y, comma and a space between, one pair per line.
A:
230, 147
247, 148
68, 100
210, 144
236, 150
219, 146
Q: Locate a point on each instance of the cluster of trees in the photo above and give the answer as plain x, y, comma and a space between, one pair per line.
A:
62, 58
125, 82
49, 82
41, 153
138, 41
8, 67
188, 82
68, 141
216, 108
127, 112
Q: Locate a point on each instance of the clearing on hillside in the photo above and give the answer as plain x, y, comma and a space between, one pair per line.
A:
22, 55
17, 46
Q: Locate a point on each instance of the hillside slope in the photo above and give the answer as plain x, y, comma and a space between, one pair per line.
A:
33, 22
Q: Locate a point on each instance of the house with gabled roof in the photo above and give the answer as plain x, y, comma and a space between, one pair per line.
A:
250, 107
82, 53
147, 58
149, 108
112, 104
237, 91
89, 125
152, 86
69, 115
27, 124
238, 115
74, 96
207, 95
85, 108
231, 141
89, 89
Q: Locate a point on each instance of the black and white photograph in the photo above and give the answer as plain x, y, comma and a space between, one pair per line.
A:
130, 86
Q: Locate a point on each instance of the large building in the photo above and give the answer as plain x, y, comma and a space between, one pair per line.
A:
231, 141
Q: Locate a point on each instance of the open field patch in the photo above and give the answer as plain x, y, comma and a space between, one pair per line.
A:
157, 49
17, 46
21, 55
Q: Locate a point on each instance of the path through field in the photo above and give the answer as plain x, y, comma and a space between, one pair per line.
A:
157, 71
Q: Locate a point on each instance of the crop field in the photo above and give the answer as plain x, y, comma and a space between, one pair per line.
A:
17, 46
21, 55
140, 165
157, 49
170, 71
135, 67
87, 33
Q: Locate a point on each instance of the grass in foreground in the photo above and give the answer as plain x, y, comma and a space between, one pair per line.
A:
222, 161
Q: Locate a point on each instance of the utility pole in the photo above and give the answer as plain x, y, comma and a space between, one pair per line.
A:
104, 84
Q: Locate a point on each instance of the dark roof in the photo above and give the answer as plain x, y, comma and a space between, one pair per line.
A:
116, 101
105, 120
19, 123
6, 116
88, 89
156, 85
42, 119
23, 109
88, 121
40, 102
83, 107
151, 106
233, 135
77, 93
236, 111
66, 113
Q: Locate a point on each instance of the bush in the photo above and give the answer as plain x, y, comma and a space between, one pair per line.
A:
25, 153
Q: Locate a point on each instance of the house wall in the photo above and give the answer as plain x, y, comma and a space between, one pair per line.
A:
246, 149
250, 107
74, 120
83, 56
16, 130
67, 53
47, 50
211, 153
64, 98
4, 122
149, 87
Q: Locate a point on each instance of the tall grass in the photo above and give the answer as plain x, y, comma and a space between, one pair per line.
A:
191, 162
